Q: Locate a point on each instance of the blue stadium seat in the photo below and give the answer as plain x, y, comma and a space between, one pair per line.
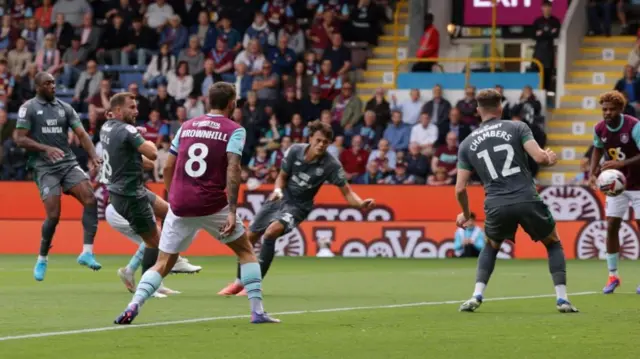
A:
128, 78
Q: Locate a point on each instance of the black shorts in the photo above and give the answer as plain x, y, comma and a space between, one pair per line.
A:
136, 210
502, 222
286, 213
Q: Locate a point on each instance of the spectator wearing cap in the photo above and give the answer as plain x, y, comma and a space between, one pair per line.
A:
243, 81
379, 104
188, 10
73, 59
438, 108
192, 55
424, 133
299, 80
320, 33
44, 14
48, 58
446, 156
90, 35
400, 175
266, 85
288, 105
142, 43
313, 105
295, 36
158, 13
62, 31
397, 132
276, 11
113, 40
252, 57
329, 83
231, 35
339, 55
259, 30
282, 57
347, 107
19, 58
204, 32
159, 67
354, 160
180, 82
204, 79
33, 34
175, 35
72, 10
417, 164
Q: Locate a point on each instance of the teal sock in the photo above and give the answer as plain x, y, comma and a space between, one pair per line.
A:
149, 283
251, 278
135, 261
612, 263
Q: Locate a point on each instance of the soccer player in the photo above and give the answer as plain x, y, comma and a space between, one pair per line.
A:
497, 152
42, 129
617, 138
204, 160
305, 168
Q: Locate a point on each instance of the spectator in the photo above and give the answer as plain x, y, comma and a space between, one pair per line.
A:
204, 79
193, 56
320, 33
242, 81
384, 158
347, 108
62, 31
164, 104
327, 118
158, 14
417, 164
159, 68
48, 58
99, 103
282, 58
170, 128
314, 105
363, 22
446, 157
469, 241
189, 11
629, 84
113, 40
204, 32
229, 34
373, 175
410, 109
252, 57
259, 164
259, 31
339, 56
19, 58
299, 81
367, 130
295, 36
266, 85
453, 125
161, 159
144, 106
397, 132
90, 35
634, 55
440, 178
381, 107
424, 133
34, 35
195, 107
468, 107
180, 83
312, 66
253, 119
142, 43
336, 147
547, 28
629, 110
438, 108
222, 59
19, 11
600, 15
27, 85
400, 176
528, 107
152, 127
72, 61
5, 35
288, 105
276, 11
277, 155
330, 83
271, 136
340, 8
175, 35
123, 7
72, 10
354, 160
429, 45
296, 130
44, 14
506, 106
15, 159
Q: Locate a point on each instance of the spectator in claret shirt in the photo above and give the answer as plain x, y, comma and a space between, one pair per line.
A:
446, 156
222, 59
282, 58
354, 160
204, 32
320, 34
297, 130
276, 12
152, 127
231, 35
260, 31
397, 132
329, 83
276, 156
259, 163
468, 107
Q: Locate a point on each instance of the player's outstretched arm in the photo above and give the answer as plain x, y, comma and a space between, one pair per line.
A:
354, 200
167, 173
281, 182
542, 157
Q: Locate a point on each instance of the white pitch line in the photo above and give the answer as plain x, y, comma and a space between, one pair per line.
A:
229, 317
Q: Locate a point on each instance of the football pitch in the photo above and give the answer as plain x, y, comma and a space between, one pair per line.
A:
330, 308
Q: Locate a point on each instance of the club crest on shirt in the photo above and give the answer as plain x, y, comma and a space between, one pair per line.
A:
319, 171
131, 129
624, 138
22, 112
61, 112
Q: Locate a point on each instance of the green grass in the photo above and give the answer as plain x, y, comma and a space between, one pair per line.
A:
74, 298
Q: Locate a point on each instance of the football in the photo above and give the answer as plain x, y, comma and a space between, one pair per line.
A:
611, 182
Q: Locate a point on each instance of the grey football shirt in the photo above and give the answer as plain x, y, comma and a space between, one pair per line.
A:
48, 123
306, 178
496, 153
122, 170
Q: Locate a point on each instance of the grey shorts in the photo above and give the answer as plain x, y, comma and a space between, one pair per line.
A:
54, 182
136, 210
286, 213
502, 222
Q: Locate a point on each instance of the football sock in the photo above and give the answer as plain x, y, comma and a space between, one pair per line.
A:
134, 262
238, 274
149, 283
267, 253
90, 224
558, 269
612, 263
149, 258
252, 282
486, 264
48, 229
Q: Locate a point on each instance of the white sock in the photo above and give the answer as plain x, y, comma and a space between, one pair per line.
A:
561, 292
256, 305
87, 248
43, 258
613, 272
479, 289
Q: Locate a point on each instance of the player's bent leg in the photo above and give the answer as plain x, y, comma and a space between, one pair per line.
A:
235, 287
558, 270
52, 209
613, 249
268, 251
83, 192
486, 265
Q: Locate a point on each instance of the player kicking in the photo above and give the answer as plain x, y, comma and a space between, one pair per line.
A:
305, 168
204, 160
42, 129
617, 137
497, 151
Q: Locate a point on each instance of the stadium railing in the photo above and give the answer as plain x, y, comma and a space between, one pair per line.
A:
573, 29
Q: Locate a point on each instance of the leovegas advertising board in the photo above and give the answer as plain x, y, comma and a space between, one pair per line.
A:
410, 222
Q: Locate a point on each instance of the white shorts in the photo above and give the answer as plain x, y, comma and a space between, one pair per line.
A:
120, 224
618, 206
179, 232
